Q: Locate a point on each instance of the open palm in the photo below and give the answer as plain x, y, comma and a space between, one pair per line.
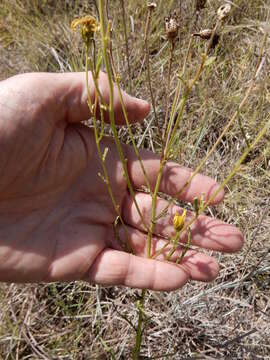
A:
56, 217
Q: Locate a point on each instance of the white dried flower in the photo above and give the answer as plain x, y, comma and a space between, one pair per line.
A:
224, 11
151, 5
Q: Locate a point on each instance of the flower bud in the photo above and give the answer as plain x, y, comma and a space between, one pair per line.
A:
179, 220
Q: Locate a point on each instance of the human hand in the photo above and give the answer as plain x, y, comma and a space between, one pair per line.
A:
56, 217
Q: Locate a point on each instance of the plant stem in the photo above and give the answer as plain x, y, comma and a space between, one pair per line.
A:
153, 101
172, 128
221, 186
104, 36
126, 43
131, 133
168, 88
231, 121
139, 332
98, 138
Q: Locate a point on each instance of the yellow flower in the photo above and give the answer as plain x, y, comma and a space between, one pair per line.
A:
88, 24
179, 220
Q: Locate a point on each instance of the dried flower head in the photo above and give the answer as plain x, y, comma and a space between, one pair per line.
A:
151, 6
200, 4
179, 220
224, 11
88, 25
171, 26
204, 34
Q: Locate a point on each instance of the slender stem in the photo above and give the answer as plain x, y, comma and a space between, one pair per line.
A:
243, 102
98, 138
153, 210
237, 166
176, 97
139, 332
175, 242
130, 132
187, 245
124, 164
232, 120
172, 131
146, 45
173, 125
126, 42
86, 79
221, 186
123, 160
168, 88
242, 130
229, 124
169, 142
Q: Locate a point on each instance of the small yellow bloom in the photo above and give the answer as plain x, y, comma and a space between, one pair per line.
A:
179, 220
88, 24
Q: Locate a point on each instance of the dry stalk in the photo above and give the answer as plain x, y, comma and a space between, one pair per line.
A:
171, 28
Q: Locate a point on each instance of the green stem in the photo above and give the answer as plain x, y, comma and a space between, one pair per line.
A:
98, 138
168, 88
172, 129
153, 210
104, 36
131, 133
139, 332
146, 34
229, 124
221, 187
126, 43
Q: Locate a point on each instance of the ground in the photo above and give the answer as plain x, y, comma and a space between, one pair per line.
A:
227, 319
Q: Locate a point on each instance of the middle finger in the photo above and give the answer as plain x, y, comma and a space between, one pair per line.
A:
206, 232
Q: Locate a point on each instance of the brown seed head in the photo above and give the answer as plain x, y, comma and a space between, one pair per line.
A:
204, 34
224, 11
171, 26
151, 6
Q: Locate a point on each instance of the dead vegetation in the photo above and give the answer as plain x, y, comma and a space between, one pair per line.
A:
228, 319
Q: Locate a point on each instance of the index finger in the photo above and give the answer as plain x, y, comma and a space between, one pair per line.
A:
64, 96
174, 178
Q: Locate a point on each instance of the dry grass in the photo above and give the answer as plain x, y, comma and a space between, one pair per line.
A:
228, 319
